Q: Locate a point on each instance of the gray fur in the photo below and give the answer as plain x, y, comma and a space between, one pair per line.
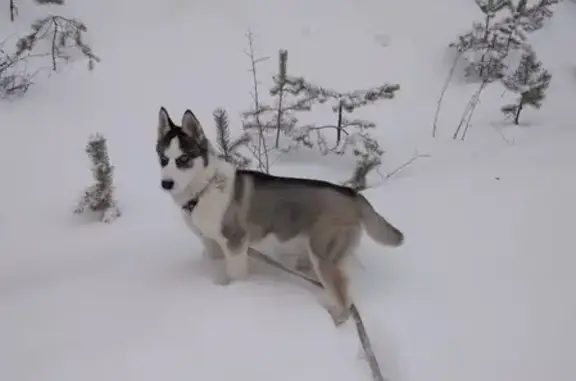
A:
376, 226
289, 207
329, 216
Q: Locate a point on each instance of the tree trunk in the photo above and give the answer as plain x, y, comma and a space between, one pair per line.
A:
339, 125
280, 111
12, 10
518, 111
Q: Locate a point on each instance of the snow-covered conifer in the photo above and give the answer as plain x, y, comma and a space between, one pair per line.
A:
228, 149
530, 81
99, 197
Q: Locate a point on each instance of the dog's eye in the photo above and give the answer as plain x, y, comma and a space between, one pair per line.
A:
163, 161
183, 160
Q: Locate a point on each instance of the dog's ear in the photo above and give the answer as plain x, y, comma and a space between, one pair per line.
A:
191, 126
164, 122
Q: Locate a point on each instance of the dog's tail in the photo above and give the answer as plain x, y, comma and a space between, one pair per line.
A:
376, 226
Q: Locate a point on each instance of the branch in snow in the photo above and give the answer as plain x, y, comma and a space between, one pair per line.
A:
360, 328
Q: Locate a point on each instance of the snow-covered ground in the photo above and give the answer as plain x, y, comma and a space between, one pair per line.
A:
482, 290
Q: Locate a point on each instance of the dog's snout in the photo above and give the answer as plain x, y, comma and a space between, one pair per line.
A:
167, 184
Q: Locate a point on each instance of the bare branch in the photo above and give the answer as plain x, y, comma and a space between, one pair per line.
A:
360, 328
260, 149
443, 92
404, 165
399, 169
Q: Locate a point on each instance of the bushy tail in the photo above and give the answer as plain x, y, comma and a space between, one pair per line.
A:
377, 227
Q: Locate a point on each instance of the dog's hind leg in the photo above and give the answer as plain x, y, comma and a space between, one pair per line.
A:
328, 251
303, 264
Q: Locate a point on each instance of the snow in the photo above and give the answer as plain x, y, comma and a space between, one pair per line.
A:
482, 289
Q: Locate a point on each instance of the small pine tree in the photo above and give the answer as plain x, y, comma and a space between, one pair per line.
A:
308, 94
367, 161
491, 7
14, 8
63, 33
15, 79
99, 197
533, 18
228, 148
485, 50
351, 134
295, 94
488, 44
289, 99
530, 81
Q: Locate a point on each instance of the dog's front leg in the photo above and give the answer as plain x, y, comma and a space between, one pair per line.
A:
236, 261
215, 256
228, 262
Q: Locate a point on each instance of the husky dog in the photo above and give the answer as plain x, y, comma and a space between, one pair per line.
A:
233, 210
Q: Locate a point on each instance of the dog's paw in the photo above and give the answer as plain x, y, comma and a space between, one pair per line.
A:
221, 279
237, 268
339, 317
219, 274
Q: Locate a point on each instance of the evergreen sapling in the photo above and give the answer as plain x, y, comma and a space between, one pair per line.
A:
478, 46
52, 36
99, 197
291, 95
530, 81
64, 34
352, 135
14, 8
228, 149
533, 18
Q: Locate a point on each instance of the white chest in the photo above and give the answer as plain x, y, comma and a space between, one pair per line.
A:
206, 217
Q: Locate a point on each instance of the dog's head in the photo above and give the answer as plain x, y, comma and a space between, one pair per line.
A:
182, 151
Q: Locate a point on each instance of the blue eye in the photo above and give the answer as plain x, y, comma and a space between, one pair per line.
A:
183, 160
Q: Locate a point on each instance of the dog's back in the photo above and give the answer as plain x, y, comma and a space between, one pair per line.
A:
288, 207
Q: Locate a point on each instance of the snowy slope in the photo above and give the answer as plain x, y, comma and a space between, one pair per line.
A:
481, 291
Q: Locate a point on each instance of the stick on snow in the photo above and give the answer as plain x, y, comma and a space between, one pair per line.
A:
362, 334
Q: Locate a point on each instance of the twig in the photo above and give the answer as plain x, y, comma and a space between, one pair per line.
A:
506, 140
54, 48
13, 10
407, 163
261, 151
442, 93
393, 173
339, 128
282, 60
362, 334
473, 108
469, 111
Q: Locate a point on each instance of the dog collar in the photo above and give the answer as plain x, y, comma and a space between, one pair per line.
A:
190, 205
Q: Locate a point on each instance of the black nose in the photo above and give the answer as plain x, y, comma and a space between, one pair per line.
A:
167, 184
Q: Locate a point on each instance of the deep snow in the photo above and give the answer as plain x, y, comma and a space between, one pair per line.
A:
482, 290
